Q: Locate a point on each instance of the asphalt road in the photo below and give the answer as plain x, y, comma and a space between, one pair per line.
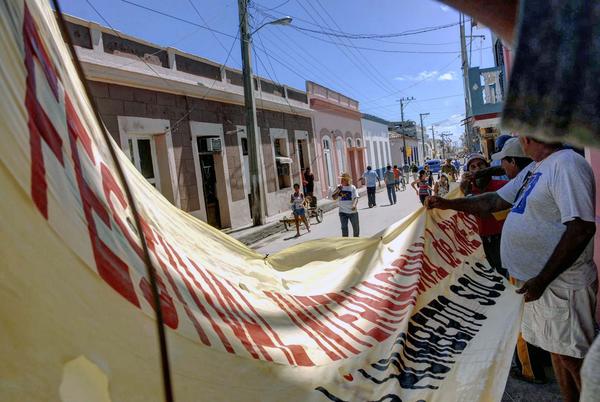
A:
371, 221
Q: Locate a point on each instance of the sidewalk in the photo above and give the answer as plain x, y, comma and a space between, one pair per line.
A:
252, 234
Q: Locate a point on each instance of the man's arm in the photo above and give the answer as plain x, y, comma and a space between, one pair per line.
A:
477, 205
499, 15
569, 248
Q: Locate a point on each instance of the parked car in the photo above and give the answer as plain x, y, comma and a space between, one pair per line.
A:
435, 165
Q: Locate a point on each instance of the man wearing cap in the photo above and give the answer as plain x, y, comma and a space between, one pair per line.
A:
449, 170
371, 179
547, 245
530, 360
510, 161
347, 197
490, 226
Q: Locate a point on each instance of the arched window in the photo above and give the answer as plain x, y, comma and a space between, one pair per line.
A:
326, 144
349, 141
358, 142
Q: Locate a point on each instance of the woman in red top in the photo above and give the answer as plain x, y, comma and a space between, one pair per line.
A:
490, 227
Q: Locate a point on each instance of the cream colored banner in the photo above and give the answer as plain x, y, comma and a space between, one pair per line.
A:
414, 313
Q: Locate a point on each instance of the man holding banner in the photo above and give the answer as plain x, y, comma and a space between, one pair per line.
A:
547, 246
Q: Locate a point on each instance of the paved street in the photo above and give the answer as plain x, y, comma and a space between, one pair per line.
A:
372, 220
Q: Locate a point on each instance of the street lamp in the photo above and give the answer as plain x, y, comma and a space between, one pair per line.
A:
280, 21
256, 188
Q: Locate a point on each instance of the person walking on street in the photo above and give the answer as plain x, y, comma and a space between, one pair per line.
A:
414, 170
422, 187
390, 183
297, 201
547, 246
347, 195
449, 170
371, 179
397, 174
309, 179
429, 174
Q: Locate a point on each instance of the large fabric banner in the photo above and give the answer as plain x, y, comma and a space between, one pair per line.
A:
412, 314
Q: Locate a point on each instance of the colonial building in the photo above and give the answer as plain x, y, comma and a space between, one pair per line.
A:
180, 119
377, 144
338, 136
404, 143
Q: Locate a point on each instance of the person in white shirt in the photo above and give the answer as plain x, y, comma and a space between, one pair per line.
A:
371, 179
347, 197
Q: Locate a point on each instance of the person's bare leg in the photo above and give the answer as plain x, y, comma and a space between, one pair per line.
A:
305, 219
567, 369
297, 222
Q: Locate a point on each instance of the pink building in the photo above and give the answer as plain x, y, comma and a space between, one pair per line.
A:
339, 144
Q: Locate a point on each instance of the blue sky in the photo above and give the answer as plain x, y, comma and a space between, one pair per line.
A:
425, 66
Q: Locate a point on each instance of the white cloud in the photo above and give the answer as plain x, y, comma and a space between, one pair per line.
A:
452, 124
444, 7
422, 76
449, 76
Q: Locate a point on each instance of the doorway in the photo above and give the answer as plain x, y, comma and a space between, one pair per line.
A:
206, 160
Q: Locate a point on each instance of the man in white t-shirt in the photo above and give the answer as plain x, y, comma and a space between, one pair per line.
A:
347, 197
547, 244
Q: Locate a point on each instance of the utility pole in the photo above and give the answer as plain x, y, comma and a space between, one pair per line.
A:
256, 188
465, 71
251, 126
423, 133
444, 135
434, 148
402, 104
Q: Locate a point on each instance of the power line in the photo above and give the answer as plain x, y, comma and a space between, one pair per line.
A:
416, 101
206, 24
380, 76
178, 18
372, 36
383, 50
346, 52
341, 33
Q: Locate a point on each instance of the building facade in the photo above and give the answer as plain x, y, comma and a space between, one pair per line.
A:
377, 144
339, 141
404, 144
181, 121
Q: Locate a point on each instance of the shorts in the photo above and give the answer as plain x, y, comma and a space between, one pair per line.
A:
299, 212
562, 320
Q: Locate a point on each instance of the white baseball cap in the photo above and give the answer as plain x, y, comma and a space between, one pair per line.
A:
512, 148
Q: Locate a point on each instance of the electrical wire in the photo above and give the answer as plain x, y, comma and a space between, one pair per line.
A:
376, 71
346, 52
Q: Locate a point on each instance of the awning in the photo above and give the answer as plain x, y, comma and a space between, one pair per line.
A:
283, 159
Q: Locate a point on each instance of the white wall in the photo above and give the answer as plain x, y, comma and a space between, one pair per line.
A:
377, 143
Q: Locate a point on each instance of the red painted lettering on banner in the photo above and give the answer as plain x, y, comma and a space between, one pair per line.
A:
40, 127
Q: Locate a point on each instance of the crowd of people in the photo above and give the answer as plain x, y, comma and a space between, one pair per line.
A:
535, 208
537, 229
535, 201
